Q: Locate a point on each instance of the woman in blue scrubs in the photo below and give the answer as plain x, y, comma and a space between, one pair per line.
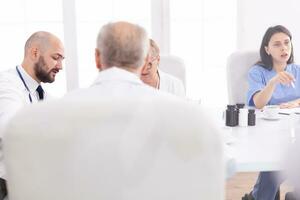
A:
275, 80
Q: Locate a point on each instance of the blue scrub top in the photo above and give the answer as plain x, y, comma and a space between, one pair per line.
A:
258, 77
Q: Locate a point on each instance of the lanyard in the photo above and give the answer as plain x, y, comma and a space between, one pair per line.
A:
22, 79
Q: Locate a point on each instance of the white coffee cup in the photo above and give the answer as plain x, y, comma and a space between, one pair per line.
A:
271, 111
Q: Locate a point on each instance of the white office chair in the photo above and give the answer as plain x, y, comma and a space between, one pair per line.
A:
174, 66
238, 65
114, 149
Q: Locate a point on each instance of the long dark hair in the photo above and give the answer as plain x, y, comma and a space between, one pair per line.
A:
266, 60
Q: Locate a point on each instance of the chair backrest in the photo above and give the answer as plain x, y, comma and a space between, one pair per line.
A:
173, 65
238, 65
113, 149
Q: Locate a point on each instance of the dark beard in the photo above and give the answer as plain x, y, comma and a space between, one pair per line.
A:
40, 71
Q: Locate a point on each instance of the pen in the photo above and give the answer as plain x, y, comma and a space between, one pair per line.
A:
283, 113
296, 113
293, 84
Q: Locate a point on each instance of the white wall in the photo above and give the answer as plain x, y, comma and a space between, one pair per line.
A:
255, 16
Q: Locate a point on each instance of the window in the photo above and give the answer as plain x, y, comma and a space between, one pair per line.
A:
91, 15
200, 32
204, 35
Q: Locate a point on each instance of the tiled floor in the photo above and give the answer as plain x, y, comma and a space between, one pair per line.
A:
242, 183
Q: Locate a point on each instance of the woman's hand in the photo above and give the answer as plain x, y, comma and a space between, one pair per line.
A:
283, 77
262, 97
291, 104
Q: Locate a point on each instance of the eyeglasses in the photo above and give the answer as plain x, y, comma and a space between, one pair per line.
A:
152, 60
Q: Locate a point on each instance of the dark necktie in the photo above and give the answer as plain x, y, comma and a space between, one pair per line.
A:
40, 91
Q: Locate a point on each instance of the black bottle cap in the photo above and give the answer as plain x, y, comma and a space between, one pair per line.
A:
240, 105
252, 111
231, 107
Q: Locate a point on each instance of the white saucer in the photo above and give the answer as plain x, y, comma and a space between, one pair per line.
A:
270, 118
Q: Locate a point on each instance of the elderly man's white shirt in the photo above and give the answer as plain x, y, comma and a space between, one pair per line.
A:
171, 84
116, 82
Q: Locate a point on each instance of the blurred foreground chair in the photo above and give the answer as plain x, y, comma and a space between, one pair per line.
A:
238, 65
173, 65
113, 149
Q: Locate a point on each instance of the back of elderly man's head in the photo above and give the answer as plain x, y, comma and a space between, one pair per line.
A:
123, 44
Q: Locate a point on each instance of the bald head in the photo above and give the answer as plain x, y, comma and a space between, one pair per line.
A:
123, 44
41, 40
43, 57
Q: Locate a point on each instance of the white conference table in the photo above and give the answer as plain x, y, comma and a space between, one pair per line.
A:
260, 147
